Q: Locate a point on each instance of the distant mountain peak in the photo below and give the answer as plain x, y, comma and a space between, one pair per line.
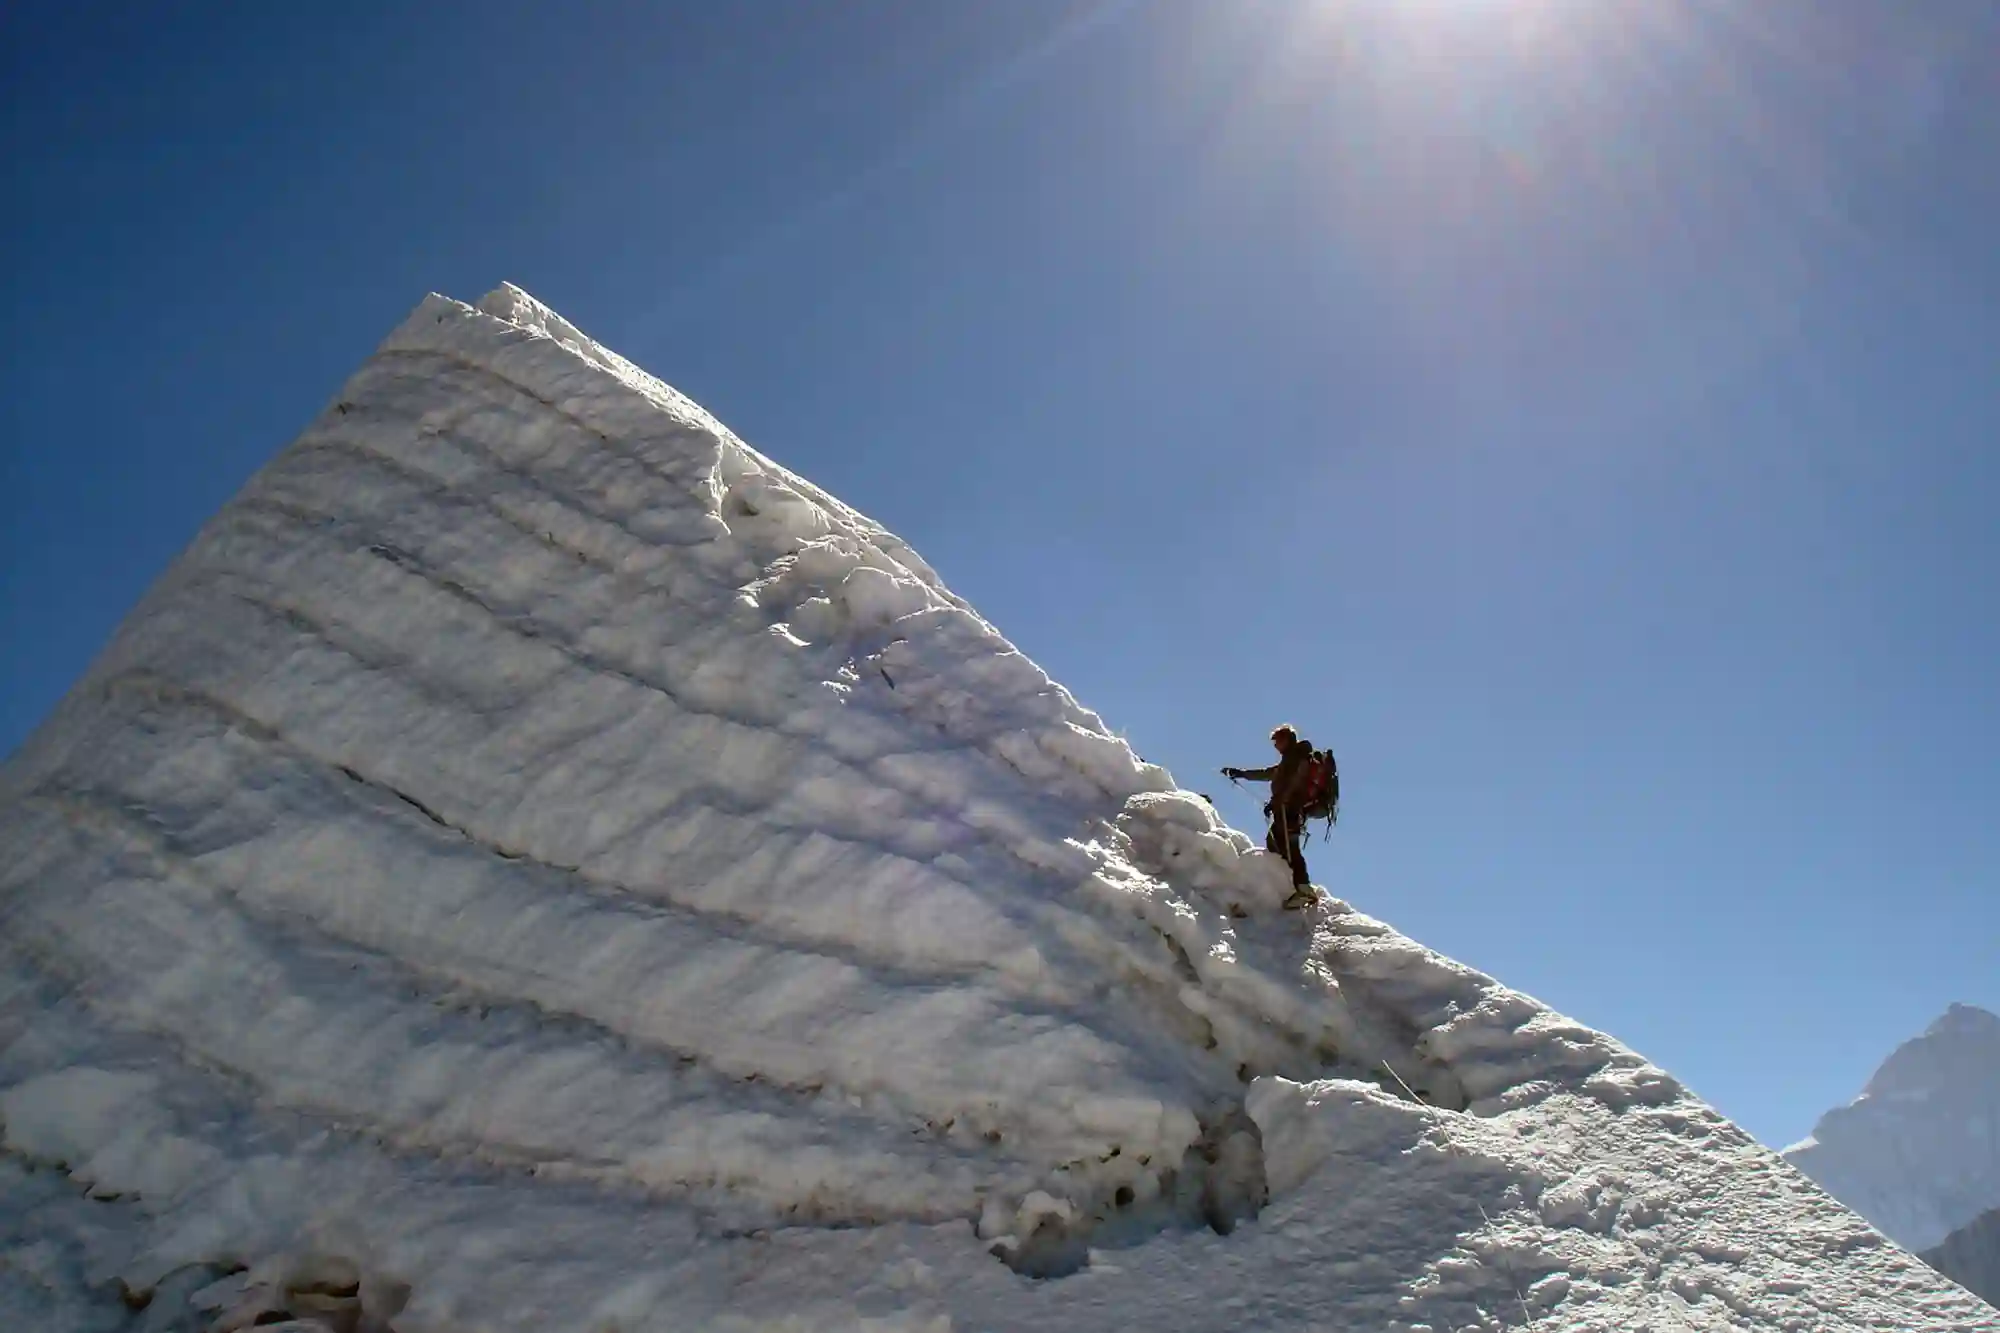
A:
1966, 1018
1918, 1152
1964, 1038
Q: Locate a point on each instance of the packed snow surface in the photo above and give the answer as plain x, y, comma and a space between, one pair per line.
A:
1918, 1152
534, 863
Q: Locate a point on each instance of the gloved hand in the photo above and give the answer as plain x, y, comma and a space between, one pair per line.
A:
1231, 773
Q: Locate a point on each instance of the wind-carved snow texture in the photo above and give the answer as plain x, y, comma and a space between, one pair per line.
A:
1918, 1153
536, 863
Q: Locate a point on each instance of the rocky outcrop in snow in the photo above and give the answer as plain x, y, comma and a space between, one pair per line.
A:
1918, 1152
535, 863
1970, 1256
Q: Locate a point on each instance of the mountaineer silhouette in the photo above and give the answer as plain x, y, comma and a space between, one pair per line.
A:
1305, 784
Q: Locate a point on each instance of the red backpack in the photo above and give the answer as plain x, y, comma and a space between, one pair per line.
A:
1322, 787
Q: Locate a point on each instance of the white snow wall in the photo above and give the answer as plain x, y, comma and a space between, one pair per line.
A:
530, 833
522, 768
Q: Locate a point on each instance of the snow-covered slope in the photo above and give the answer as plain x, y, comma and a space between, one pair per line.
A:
1970, 1256
534, 863
1918, 1152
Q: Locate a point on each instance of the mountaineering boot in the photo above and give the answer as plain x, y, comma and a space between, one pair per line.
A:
1302, 896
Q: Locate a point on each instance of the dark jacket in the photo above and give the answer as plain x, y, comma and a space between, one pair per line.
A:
1287, 777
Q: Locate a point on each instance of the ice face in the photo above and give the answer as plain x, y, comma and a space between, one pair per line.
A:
535, 862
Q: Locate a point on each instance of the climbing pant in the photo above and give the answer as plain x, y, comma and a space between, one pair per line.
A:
1283, 840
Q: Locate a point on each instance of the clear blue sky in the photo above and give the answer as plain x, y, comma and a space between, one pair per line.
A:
1585, 416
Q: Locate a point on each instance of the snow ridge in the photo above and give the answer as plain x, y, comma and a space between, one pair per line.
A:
535, 862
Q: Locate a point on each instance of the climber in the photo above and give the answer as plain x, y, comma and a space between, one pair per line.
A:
1286, 808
